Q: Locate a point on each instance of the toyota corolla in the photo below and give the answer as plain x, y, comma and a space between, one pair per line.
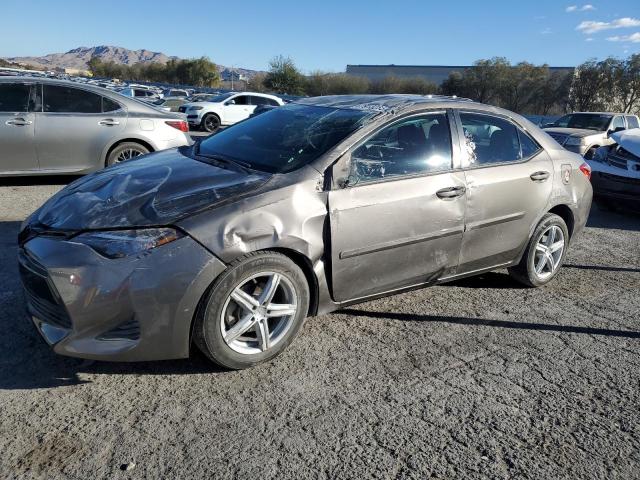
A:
228, 245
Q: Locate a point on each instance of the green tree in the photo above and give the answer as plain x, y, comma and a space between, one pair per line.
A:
284, 76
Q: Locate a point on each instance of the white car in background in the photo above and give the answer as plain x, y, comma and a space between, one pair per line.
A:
226, 109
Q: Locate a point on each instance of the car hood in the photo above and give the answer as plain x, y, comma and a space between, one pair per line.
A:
574, 132
629, 140
158, 189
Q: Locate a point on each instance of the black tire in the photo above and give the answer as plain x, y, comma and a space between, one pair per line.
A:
589, 154
208, 334
525, 272
126, 149
211, 122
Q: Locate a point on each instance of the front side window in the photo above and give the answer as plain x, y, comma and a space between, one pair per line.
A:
413, 146
283, 139
632, 122
14, 97
492, 140
618, 122
57, 99
241, 100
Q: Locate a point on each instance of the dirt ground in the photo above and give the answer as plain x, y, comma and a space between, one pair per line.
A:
476, 379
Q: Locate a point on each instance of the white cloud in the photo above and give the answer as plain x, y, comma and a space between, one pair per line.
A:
546, 31
593, 27
633, 38
584, 8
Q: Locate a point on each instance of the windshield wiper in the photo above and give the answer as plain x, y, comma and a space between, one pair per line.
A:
224, 160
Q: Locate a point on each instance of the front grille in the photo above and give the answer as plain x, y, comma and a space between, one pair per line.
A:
43, 301
616, 161
559, 137
129, 330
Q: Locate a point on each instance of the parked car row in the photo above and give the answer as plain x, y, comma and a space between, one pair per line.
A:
585, 132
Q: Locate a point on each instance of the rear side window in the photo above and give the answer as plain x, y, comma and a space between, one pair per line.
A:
255, 100
417, 145
58, 99
109, 105
492, 140
632, 122
14, 97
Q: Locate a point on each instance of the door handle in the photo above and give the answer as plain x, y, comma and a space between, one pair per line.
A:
109, 123
451, 192
19, 122
540, 176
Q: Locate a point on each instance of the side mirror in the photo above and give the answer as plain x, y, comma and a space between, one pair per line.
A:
231, 102
615, 130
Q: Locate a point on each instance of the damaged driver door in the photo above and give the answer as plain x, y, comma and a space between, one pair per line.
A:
397, 220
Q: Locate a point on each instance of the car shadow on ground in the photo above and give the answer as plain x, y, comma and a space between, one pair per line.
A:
483, 322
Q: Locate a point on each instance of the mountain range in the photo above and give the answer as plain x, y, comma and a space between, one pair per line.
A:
78, 58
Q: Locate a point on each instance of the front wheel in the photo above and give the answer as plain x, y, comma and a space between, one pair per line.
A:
254, 310
211, 122
545, 253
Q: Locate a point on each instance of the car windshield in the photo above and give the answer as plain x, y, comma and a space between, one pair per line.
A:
286, 138
590, 121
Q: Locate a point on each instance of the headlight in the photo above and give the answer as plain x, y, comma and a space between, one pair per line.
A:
122, 243
574, 141
195, 108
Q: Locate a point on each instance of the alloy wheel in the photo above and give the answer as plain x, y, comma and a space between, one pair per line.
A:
549, 250
258, 313
128, 154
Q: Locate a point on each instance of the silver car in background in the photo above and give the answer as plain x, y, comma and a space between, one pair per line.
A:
59, 127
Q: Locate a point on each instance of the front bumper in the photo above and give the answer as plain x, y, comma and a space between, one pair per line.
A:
129, 309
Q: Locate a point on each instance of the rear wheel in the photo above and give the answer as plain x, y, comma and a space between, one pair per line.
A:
254, 310
126, 151
211, 122
545, 253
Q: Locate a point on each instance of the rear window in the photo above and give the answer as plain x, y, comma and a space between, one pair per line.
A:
58, 99
109, 105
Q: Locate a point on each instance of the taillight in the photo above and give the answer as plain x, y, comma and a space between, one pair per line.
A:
179, 124
586, 169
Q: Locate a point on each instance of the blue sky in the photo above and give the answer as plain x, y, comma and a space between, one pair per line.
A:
329, 34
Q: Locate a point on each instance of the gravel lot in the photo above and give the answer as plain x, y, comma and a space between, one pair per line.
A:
478, 379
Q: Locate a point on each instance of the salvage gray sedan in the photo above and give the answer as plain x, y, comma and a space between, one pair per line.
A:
50, 127
328, 201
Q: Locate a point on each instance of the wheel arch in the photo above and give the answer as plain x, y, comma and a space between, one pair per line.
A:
565, 212
141, 141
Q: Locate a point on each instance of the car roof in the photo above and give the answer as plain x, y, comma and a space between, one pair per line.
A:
380, 103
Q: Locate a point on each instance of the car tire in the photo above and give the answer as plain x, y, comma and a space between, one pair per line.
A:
544, 255
220, 320
211, 122
125, 151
